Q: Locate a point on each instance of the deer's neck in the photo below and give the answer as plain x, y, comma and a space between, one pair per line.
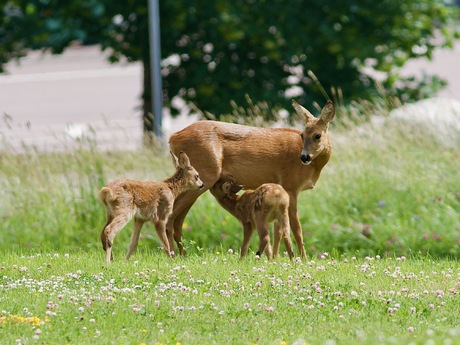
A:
177, 182
323, 158
230, 203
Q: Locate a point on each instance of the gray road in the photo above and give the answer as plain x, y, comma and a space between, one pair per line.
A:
60, 102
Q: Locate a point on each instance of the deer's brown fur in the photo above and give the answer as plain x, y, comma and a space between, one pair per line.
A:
144, 201
254, 156
257, 209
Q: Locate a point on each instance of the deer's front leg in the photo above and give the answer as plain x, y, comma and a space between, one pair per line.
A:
295, 225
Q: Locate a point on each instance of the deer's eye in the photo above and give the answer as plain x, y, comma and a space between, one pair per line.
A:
317, 137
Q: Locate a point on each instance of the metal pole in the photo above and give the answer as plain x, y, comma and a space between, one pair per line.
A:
155, 60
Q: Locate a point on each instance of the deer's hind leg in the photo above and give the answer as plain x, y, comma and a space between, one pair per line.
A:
138, 223
264, 236
160, 228
110, 231
277, 238
248, 231
281, 229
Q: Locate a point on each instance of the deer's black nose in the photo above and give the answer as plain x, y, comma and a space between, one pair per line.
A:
305, 158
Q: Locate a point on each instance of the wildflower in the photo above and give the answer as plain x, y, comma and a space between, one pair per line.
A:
410, 329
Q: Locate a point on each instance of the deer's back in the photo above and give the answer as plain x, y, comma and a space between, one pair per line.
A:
147, 200
252, 155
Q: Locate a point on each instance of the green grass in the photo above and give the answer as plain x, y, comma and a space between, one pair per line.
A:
218, 299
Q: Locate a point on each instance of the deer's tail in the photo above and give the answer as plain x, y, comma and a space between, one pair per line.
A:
105, 195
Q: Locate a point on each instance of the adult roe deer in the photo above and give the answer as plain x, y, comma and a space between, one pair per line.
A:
256, 209
145, 201
254, 156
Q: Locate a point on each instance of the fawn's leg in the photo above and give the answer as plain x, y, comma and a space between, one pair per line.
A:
138, 223
110, 231
103, 233
285, 231
264, 237
248, 231
277, 238
160, 228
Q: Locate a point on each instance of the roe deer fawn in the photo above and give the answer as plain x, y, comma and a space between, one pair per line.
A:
145, 201
256, 209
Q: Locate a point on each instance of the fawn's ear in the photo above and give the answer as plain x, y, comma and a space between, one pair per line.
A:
174, 158
227, 188
184, 162
235, 188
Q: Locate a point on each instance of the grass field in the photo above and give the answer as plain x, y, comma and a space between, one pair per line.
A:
381, 227
215, 298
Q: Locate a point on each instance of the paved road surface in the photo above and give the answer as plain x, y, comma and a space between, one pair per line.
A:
55, 102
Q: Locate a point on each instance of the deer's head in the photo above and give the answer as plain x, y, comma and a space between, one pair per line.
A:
226, 186
314, 136
190, 175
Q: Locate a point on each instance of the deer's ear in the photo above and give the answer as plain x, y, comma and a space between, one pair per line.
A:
301, 111
227, 187
236, 188
328, 112
184, 162
174, 158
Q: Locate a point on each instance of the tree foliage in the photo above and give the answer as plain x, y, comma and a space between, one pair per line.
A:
215, 52
265, 48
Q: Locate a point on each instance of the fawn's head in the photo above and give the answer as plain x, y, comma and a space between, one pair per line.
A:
314, 136
227, 186
188, 172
